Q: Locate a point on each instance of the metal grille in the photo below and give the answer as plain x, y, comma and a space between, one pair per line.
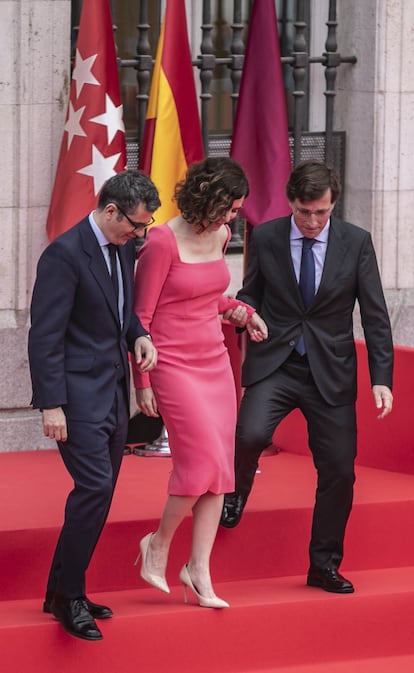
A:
313, 146
132, 155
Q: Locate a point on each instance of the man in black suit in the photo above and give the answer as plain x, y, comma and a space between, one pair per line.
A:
82, 327
309, 360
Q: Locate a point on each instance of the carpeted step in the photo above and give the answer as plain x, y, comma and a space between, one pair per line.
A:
399, 664
272, 624
271, 540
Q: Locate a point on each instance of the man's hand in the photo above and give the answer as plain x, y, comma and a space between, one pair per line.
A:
145, 354
146, 401
54, 424
257, 328
383, 400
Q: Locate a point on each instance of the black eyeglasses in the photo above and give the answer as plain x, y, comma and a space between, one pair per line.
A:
135, 225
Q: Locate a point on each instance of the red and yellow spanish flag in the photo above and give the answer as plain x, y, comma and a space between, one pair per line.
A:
172, 134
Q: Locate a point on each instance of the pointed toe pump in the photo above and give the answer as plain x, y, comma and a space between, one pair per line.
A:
157, 581
203, 601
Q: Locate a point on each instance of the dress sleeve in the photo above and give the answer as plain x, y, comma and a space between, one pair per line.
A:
154, 262
229, 302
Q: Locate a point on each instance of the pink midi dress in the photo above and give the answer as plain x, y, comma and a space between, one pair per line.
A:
180, 304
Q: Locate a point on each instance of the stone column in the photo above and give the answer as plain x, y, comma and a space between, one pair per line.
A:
375, 104
34, 80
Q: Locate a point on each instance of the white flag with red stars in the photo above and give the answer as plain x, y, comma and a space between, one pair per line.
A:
93, 144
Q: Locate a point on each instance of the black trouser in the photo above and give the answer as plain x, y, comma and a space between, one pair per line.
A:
332, 441
92, 456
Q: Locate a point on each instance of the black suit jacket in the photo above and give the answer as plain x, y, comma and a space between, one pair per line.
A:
350, 273
77, 349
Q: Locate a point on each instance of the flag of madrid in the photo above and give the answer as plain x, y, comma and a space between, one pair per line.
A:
93, 144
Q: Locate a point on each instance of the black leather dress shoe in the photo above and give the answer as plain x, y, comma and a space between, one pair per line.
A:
329, 579
232, 509
97, 611
75, 617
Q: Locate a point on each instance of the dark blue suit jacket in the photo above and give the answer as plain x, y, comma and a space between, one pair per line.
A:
77, 349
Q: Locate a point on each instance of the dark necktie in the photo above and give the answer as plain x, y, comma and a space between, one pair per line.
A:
307, 272
306, 282
114, 270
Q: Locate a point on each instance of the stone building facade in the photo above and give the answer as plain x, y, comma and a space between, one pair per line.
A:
375, 105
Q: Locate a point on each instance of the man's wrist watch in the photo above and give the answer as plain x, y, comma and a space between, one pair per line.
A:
148, 336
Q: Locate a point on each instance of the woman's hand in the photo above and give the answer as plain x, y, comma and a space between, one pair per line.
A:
145, 354
236, 316
146, 401
257, 328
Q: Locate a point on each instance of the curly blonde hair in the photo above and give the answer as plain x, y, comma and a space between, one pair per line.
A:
209, 189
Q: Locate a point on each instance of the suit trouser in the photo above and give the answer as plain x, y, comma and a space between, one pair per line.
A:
332, 441
92, 455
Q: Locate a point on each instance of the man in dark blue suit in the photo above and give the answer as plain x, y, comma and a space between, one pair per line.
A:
82, 327
309, 360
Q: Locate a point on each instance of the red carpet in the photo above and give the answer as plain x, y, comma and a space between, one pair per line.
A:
275, 623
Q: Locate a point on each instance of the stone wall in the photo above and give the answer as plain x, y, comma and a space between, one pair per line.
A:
34, 47
375, 104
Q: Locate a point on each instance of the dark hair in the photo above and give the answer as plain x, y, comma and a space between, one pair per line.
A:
209, 189
310, 180
129, 189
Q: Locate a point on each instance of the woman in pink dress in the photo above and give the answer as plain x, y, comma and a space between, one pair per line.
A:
181, 277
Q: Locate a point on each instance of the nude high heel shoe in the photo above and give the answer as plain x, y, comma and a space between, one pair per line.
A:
156, 581
203, 601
